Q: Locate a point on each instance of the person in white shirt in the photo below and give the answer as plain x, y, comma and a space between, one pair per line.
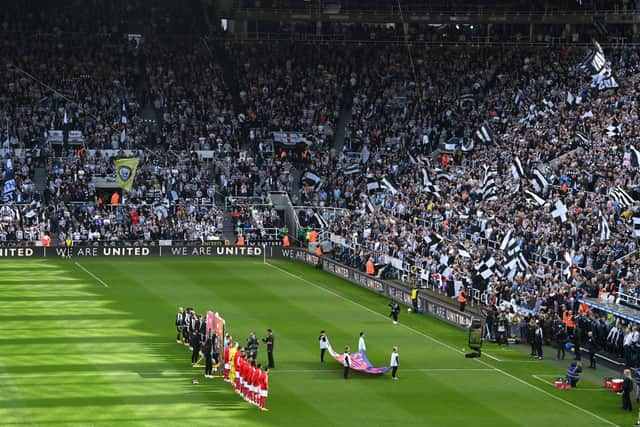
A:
362, 348
346, 362
394, 363
324, 345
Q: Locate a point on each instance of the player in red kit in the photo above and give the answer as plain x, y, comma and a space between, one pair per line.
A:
250, 372
255, 385
225, 360
264, 388
238, 364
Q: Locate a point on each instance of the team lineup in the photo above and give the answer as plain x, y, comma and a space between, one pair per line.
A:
239, 365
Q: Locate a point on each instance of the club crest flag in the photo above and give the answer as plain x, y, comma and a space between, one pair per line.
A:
359, 362
126, 172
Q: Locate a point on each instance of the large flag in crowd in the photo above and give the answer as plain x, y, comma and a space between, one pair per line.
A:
600, 69
126, 172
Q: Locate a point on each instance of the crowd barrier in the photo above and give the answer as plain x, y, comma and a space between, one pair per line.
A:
387, 289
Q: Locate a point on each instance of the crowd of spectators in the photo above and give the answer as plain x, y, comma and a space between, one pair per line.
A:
406, 106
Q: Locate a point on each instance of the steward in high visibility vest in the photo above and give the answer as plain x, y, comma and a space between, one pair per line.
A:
318, 250
414, 298
46, 240
285, 241
240, 241
371, 268
462, 298
313, 236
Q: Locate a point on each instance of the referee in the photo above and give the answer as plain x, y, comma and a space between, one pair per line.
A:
394, 363
346, 362
269, 340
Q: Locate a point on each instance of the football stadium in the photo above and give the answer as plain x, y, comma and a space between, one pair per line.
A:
320, 212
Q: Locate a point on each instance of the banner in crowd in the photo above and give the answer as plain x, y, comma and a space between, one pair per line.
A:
290, 138
359, 362
126, 172
55, 136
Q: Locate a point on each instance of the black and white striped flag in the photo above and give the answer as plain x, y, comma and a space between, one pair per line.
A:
488, 184
603, 227
560, 212
467, 98
372, 183
622, 197
467, 144
585, 141
538, 181
486, 268
484, 134
635, 157
614, 131
534, 199
352, 169
568, 258
463, 251
516, 169
523, 265
636, 226
434, 240
505, 240
389, 186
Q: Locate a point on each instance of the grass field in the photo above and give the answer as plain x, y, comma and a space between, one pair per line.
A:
91, 342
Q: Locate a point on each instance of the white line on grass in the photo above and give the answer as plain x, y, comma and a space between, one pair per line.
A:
520, 380
491, 357
92, 275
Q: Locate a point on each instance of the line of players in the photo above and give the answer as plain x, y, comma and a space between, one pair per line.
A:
192, 331
248, 378
245, 375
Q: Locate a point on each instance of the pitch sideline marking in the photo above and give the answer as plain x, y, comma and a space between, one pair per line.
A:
492, 357
92, 275
520, 380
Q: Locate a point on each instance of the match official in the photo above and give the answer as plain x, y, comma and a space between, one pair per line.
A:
394, 363
346, 362
269, 340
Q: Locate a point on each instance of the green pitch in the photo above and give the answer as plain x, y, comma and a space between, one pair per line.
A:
91, 342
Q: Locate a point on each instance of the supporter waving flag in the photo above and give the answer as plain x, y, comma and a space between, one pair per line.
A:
516, 169
603, 227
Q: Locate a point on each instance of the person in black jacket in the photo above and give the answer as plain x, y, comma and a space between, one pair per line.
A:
538, 340
269, 340
208, 357
252, 346
627, 387
592, 346
561, 339
346, 362
395, 310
